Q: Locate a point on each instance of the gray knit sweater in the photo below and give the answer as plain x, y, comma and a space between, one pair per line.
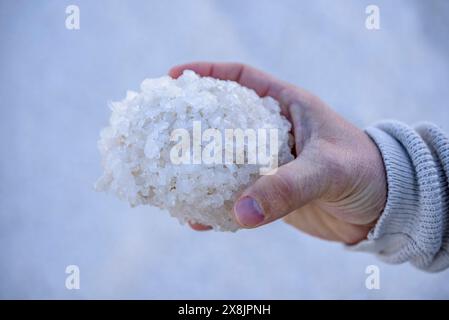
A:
415, 223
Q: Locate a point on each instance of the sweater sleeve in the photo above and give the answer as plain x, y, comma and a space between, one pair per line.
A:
414, 225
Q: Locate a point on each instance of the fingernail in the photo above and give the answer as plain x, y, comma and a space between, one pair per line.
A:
248, 212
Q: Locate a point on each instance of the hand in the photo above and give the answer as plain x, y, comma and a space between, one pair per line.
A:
335, 189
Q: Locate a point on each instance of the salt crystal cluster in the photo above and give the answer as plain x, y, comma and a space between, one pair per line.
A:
135, 147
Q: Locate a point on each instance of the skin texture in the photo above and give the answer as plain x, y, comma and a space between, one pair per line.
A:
335, 189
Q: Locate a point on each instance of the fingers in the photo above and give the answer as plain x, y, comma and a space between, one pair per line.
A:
199, 227
264, 84
271, 197
295, 184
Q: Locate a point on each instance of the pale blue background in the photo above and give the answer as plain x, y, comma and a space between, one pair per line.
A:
54, 89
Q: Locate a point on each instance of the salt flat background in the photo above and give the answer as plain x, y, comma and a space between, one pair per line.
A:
54, 89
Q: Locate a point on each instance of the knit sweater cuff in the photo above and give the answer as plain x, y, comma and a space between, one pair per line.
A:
391, 230
404, 231
403, 191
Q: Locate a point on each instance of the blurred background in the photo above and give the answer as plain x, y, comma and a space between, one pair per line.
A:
54, 87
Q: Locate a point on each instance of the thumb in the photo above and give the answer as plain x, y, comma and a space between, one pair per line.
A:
273, 196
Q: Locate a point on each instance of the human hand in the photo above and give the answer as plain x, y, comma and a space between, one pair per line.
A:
335, 189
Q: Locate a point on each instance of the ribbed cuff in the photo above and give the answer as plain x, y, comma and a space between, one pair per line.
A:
403, 191
414, 225
392, 232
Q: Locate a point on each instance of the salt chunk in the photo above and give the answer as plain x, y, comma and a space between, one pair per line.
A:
135, 147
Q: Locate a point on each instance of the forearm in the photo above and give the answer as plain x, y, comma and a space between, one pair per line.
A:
414, 225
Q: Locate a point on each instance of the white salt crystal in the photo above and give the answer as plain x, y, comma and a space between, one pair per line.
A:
135, 147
